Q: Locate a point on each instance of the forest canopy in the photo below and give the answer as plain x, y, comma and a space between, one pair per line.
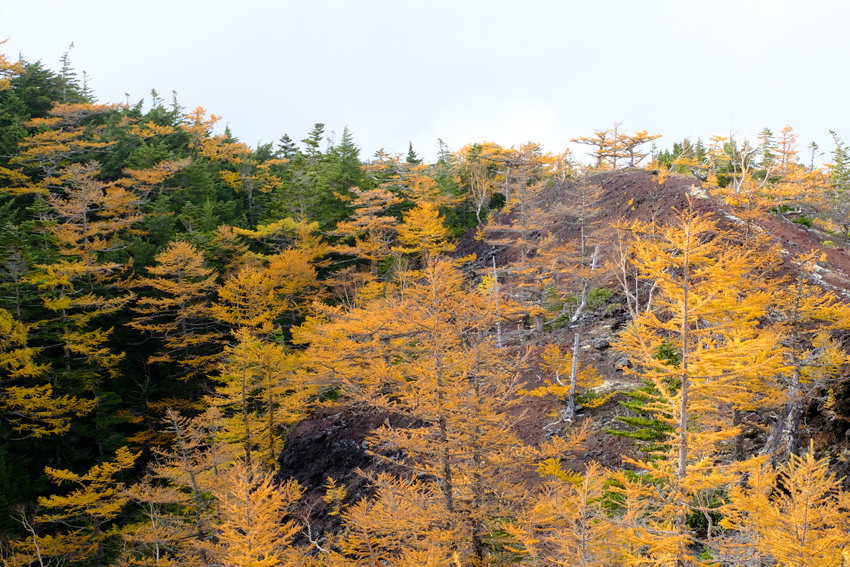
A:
173, 303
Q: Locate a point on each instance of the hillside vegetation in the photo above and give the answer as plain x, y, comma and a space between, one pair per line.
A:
212, 354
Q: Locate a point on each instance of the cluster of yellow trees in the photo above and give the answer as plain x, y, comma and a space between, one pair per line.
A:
424, 351
265, 321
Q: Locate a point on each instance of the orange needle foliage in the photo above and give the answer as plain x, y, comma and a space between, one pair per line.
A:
807, 316
704, 353
96, 499
251, 505
255, 295
373, 233
60, 137
423, 232
9, 70
567, 525
261, 394
428, 355
175, 494
32, 410
795, 516
180, 313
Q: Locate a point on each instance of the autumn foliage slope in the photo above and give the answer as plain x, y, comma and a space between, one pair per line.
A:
212, 354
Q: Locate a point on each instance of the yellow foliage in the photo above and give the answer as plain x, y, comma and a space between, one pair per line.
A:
427, 353
252, 505
8, 70
373, 232
150, 129
424, 232
96, 498
551, 467
175, 494
262, 393
335, 495
487, 283
565, 524
796, 515
289, 233
180, 312
704, 351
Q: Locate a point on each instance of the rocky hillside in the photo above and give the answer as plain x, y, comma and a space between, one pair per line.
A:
333, 442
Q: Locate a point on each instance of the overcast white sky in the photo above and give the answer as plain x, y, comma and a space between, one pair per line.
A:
462, 70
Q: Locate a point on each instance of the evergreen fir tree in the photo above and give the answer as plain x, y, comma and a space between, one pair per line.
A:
412, 158
286, 148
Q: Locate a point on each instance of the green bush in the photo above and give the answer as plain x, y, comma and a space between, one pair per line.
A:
598, 297
804, 220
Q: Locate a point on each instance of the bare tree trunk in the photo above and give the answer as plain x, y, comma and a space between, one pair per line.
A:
498, 314
681, 473
738, 451
571, 400
784, 436
585, 289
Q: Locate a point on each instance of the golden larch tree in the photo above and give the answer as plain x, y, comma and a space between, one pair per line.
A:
372, 232
179, 314
424, 232
179, 519
31, 408
807, 316
704, 354
795, 515
97, 498
261, 395
567, 524
428, 355
9, 69
252, 505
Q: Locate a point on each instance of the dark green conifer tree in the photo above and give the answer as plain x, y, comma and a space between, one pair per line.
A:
286, 148
412, 158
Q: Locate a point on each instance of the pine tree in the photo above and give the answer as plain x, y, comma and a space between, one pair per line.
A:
575, 375
247, 299
251, 506
707, 317
839, 181
180, 314
795, 515
313, 141
286, 148
412, 158
629, 144
71, 91
478, 177
96, 499
604, 141
423, 232
288, 234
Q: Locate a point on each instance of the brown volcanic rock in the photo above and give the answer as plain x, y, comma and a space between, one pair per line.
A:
627, 194
634, 194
